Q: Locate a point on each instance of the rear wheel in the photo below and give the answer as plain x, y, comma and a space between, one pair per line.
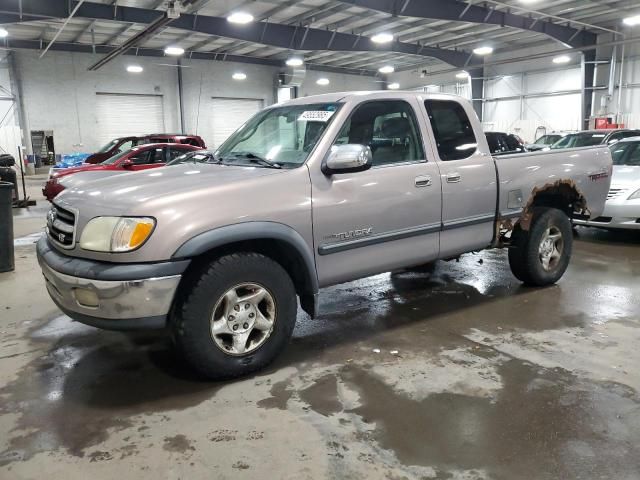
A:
236, 317
540, 256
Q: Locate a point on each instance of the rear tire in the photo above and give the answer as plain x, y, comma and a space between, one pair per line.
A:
540, 256
236, 317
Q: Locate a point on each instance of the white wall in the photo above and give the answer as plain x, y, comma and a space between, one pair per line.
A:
60, 93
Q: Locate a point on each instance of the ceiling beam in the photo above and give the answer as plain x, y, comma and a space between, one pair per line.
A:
458, 11
276, 35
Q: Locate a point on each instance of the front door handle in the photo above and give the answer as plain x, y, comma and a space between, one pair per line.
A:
423, 181
454, 177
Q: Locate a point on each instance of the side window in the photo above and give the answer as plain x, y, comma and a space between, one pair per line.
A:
634, 156
176, 152
512, 143
157, 155
389, 128
494, 143
128, 145
452, 129
141, 158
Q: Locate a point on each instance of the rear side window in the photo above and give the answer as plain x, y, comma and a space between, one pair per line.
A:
452, 129
512, 142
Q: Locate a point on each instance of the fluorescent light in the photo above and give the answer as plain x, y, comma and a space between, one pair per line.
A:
294, 62
562, 59
3, 33
174, 51
632, 21
241, 18
322, 81
462, 75
382, 38
134, 69
393, 86
483, 50
387, 69
239, 76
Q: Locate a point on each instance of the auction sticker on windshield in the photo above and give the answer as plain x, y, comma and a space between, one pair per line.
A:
315, 116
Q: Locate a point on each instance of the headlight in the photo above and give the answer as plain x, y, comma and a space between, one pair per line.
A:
116, 234
635, 195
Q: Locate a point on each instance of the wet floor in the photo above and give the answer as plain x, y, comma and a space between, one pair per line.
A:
459, 373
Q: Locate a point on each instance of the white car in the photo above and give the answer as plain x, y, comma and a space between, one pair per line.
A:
622, 209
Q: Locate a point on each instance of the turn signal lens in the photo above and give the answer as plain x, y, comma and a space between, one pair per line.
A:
140, 234
635, 195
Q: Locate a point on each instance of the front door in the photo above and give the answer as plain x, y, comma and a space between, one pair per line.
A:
388, 216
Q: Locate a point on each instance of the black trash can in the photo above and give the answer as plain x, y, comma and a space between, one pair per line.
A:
7, 260
9, 175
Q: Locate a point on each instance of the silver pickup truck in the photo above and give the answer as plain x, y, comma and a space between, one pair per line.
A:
306, 194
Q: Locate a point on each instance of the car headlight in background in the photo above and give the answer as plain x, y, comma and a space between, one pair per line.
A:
635, 195
116, 234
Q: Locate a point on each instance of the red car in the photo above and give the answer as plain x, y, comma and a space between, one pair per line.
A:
142, 157
123, 144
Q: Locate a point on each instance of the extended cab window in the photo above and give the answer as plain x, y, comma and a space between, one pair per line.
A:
388, 127
452, 129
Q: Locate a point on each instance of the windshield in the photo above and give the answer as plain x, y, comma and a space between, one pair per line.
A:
584, 139
115, 158
194, 157
626, 153
280, 137
547, 140
109, 146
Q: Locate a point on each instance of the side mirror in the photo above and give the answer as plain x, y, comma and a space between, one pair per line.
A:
128, 163
347, 159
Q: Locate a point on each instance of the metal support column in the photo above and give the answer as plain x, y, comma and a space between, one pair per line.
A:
588, 68
476, 77
181, 97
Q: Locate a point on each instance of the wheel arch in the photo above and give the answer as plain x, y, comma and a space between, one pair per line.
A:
275, 240
562, 194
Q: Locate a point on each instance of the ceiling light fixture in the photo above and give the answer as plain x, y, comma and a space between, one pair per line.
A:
134, 69
175, 51
632, 21
322, 81
462, 75
294, 62
241, 18
562, 59
239, 76
393, 86
387, 69
3, 32
483, 50
382, 38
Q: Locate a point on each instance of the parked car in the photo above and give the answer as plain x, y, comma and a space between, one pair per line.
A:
124, 144
544, 141
302, 197
501, 143
622, 210
591, 138
142, 157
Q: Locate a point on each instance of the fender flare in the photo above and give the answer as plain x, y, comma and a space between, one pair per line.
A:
239, 232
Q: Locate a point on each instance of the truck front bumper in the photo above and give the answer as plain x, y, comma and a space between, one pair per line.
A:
112, 296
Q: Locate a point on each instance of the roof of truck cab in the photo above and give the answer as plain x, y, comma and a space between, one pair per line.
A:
365, 95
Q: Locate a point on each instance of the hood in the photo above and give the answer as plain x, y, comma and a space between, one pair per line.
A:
84, 176
625, 176
86, 167
126, 193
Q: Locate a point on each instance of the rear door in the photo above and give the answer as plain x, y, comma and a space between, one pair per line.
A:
388, 216
468, 178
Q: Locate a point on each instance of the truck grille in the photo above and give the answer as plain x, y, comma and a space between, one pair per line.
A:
61, 225
614, 192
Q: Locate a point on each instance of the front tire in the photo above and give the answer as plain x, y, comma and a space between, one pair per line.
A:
540, 256
236, 317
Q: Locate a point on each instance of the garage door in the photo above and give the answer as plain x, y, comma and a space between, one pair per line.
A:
121, 115
229, 113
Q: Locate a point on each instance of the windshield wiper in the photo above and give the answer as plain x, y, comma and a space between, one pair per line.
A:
253, 158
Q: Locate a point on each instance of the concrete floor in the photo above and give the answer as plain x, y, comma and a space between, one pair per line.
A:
461, 374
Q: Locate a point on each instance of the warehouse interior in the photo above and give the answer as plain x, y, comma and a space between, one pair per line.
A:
456, 370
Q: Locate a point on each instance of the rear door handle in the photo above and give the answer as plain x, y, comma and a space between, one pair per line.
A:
423, 181
453, 177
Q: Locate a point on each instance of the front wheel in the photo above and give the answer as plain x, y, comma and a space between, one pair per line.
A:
236, 317
540, 256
